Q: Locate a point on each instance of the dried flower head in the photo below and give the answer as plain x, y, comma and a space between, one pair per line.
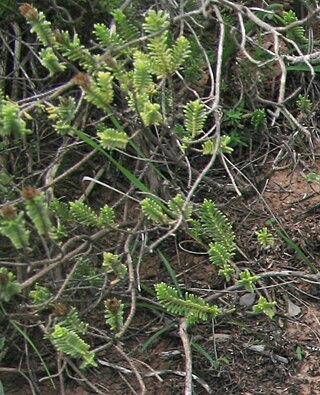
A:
59, 36
4, 278
29, 192
60, 310
9, 212
82, 79
110, 61
112, 305
28, 11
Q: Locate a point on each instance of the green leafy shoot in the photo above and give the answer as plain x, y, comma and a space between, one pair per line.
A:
99, 90
105, 37
38, 23
69, 318
141, 77
106, 216
60, 208
72, 49
151, 114
226, 271
68, 342
13, 227
126, 29
259, 119
216, 225
299, 353
265, 307
220, 255
225, 141
265, 238
312, 177
195, 117
51, 62
40, 294
193, 308
110, 138
175, 206
233, 117
37, 209
247, 280
114, 312
63, 115
114, 266
8, 285
304, 104
11, 123
297, 33
84, 214
165, 59
154, 211
155, 21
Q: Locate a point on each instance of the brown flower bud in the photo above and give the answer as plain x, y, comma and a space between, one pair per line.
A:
9, 212
60, 310
82, 79
59, 36
28, 11
4, 278
110, 61
113, 305
28, 192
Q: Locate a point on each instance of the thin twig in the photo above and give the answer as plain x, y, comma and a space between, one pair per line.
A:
157, 373
183, 332
135, 371
314, 278
132, 285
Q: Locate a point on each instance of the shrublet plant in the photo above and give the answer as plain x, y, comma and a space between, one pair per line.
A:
142, 88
